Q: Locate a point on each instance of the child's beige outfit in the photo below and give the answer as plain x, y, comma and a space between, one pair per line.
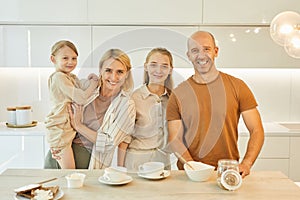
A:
64, 89
149, 140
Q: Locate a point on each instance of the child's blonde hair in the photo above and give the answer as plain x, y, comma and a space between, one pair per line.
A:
60, 44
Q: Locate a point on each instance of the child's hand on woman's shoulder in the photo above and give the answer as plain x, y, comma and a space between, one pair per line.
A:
94, 80
93, 76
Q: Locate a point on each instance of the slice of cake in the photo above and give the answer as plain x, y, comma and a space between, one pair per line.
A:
37, 192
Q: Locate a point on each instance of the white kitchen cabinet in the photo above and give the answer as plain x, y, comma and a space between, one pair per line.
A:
295, 96
22, 152
44, 11
277, 164
30, 46
26, 148
138, 41
274, 147
245, 12
295, 158
275, 153
145, 12
102, 12
22, 147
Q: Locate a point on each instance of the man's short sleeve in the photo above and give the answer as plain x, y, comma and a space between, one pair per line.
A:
173, 108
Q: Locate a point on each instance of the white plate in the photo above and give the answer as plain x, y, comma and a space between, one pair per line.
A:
102, 180
58, 196
165, 174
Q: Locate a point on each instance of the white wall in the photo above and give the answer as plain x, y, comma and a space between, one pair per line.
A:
29, 28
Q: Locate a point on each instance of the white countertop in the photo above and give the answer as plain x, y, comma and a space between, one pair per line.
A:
271, 129
38, 130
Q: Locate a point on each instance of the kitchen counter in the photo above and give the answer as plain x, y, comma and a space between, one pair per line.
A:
38, 130
262, 185
26, 148
271, 129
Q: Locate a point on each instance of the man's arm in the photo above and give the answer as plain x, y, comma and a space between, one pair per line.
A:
253, 123
175, 129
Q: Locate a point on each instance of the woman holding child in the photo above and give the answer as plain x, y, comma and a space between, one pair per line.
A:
105, 122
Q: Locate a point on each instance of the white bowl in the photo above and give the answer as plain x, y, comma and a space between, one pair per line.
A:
200, 171
75, 180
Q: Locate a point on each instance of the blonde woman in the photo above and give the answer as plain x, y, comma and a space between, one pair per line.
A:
107, 121
150, 136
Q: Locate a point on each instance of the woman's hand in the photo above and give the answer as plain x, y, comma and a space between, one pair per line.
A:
75, 113
76, 116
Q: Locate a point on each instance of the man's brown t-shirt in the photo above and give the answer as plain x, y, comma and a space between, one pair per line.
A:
210, 114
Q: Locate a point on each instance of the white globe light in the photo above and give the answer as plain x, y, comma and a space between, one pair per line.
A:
283, 25
292, 44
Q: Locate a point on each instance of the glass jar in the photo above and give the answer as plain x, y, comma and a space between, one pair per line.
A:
229, 177
11, 115
23, 115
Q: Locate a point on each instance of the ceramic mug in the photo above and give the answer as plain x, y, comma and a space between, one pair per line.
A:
152, 169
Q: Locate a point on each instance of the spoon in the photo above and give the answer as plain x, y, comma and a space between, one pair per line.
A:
183, 160
32, 186
46, 181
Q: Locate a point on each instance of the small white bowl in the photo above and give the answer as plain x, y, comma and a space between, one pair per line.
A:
200, 171
75, 180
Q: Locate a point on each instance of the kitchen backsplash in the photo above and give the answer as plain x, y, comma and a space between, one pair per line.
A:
276, 90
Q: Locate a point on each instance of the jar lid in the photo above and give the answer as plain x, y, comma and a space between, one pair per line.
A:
227, 162
11, 108
231, 179
23, 107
